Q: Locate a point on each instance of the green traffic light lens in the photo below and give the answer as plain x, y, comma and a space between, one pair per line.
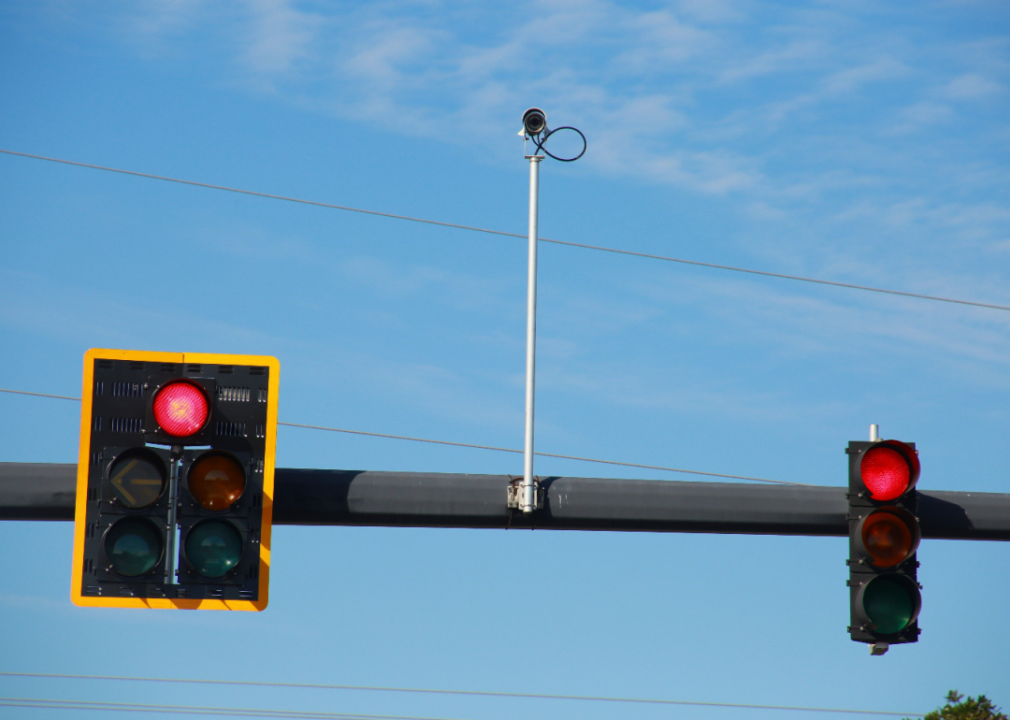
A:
889, 605
133, 546
213, 548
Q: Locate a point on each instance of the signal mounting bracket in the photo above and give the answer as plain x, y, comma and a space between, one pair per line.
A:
515, 494
879, 648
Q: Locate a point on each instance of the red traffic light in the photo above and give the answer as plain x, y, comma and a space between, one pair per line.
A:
180, 408
884, 535
186, 526
889, 470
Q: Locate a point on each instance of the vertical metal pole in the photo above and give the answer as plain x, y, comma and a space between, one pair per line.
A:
528, 503
171, 532
874, 433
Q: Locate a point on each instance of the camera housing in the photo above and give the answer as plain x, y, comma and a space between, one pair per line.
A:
534, 122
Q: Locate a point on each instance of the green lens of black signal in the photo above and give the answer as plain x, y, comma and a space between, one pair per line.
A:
137, 479
213, 547
890, 604
133, 546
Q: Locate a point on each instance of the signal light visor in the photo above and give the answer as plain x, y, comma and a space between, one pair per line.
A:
889, 470
181, 408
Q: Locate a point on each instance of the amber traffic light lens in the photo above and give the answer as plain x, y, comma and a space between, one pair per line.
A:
887, 538
181, 408
216, 481
137, 479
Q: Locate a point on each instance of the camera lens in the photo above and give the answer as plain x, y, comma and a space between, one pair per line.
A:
534, 121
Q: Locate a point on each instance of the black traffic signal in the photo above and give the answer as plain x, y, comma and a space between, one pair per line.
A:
883, 537
175, 480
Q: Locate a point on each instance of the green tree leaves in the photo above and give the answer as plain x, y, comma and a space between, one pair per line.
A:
960, 708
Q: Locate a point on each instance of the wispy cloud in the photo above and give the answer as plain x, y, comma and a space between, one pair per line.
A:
792, 57
825, 118
159, 19
852, 79
972, 86
278, 36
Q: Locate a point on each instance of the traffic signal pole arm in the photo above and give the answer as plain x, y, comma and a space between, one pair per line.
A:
42, 491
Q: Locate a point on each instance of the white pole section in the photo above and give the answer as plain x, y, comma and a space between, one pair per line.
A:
528, 503
874, 433
172, 525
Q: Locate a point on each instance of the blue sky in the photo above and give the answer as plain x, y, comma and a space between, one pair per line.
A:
860, 142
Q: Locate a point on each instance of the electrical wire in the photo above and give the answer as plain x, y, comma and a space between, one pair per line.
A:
478, 447
45, 395
197, 710
547, 133
544, 454
469, 693
585, 246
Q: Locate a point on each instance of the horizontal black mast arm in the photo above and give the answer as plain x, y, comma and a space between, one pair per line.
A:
41, 491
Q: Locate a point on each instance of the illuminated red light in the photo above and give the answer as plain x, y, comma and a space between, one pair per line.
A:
887, 473
180, 408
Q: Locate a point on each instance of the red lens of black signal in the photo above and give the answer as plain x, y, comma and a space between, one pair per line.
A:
181, 408
889, 470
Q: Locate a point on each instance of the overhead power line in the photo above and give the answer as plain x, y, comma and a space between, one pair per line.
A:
197, 710
469, 693
543, 454
470, 445
585, 246
45, 395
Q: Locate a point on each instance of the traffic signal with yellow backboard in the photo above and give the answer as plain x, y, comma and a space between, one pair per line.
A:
884, 535
175, 480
